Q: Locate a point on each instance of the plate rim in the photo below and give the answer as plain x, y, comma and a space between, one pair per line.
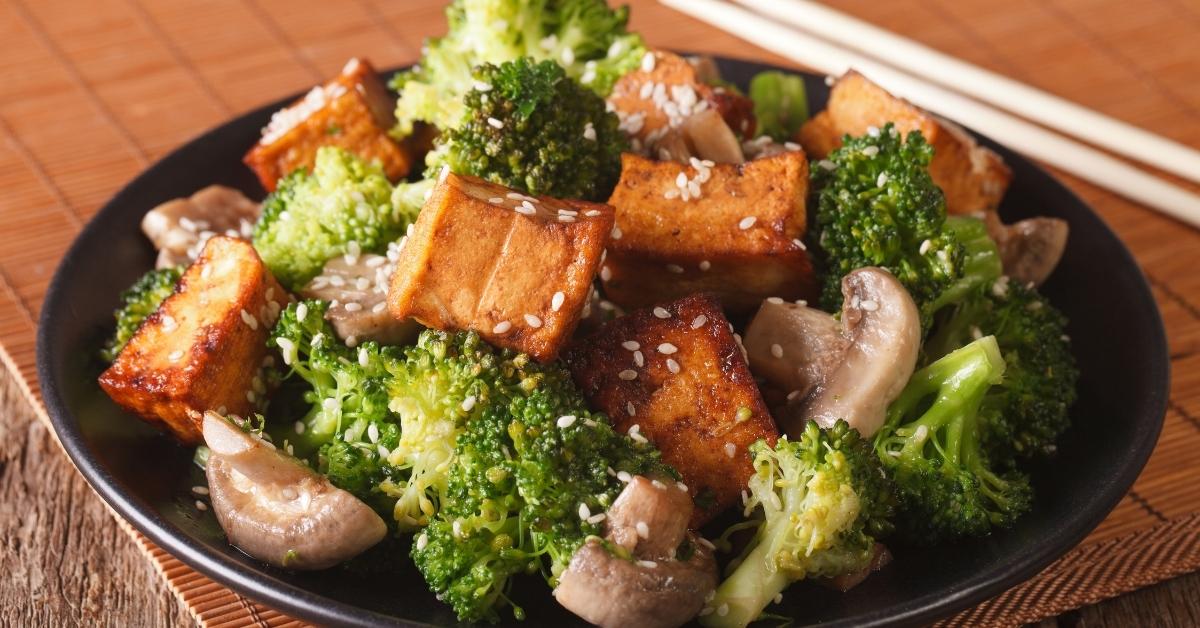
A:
264, 588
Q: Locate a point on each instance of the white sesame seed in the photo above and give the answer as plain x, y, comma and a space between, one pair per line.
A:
301, 311
881, 180
501, 327
925, 246
250, 396
643, 530
597, 518
564, 218
627, 375
775, 300
249, 319
201, 506
533, 321
525, 208
605, 273
363, 357
699, 321
648, 564
794, 395
667, 348
566, 421
705, 265
382, 451
353, 306
747, 222
483, 87
672, 366
556, 301
298, 427
616, 233
868, 305
630, 409
730, 449
175, 355
168, 322
777, 350
592, 213
589, 132
681, 181
675, 269
351, 341
494, 123
631, 345
648, 62
379, 307
624, 476
639, 359
871, 151
468, 403
671, 194
373, 433
827, 165
661, 313
200, 490
422, 541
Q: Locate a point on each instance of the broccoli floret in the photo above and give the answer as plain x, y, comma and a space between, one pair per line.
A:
824, 502
586, 37
532, 470
536, 130
1027, 411
137, 302
931, 445
878, 206
780, 103
348, 430
344, 205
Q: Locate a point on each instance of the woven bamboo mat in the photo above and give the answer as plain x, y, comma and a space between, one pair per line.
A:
93, 93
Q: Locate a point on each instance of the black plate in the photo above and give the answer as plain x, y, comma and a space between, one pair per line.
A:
1118, 338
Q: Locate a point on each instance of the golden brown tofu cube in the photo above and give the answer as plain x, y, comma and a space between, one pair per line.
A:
353, 111
517, 269
740, 239
659, 95
973, 177
203, 349
678, 373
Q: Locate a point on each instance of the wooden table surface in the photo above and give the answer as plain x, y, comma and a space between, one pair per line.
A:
63, 558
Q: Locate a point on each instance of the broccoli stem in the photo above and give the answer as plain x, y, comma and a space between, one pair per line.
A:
742, 597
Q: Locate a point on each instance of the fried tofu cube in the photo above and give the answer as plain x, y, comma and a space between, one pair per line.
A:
353, 111
973, 177
517, 269
659, 95
679, 376
740, 238
204, 348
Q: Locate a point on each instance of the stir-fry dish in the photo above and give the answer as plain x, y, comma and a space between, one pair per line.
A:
555, 304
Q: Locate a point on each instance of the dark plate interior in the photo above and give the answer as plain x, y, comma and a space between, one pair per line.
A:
1117, 332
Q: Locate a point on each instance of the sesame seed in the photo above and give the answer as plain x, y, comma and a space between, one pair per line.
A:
201, 506
175, 355
301, 311
794, 395
364, 358
298, 427
525, 208
671, 194
483, 87
382, 451
925, 246
250, 396
730, 449
566, 421
501, 327
775, 300
616, 233
249, 319
353, 306
494, 123
681, 181
648, 62
556, 301
564, 218
639, 359
629, 409
352, 341
631, 345
799, 244
533, 321
871, 151
681, 486
627, 375
624, 476
881, 180
168, 322
747, 222
667, 348
379, 307
589, 132
675, 268
661, 313
200, 490
648, 564
422, 541
672, 366
468, 403
643, 530
827, 165
777, 350
699, 321
597, 518
592, 213
705, 265
868, 305
705, 542
373, 433
605, 273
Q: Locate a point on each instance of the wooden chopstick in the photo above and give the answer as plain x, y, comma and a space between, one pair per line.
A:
1068, 155
996, 89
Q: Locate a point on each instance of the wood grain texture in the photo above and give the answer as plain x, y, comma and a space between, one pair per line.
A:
95, 92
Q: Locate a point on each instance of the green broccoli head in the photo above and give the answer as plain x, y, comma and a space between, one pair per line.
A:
931, 446
878, 206
532, 471
530, 127
1028, 410
824, 501
586, 37
344, 205
348, 431
137, 302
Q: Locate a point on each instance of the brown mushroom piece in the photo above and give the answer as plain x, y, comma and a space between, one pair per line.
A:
654, 588
702, 135
852, 378
279, 511
1030, 249
356, 288
179, 228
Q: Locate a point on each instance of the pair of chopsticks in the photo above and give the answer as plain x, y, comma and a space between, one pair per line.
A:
832, 42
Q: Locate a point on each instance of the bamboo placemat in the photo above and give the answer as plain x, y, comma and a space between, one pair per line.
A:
93, 93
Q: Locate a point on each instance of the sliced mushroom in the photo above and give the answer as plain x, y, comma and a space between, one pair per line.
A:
703, 135
1030, 249
611, 591
810, 344
853, 377
649, 521
179, 228
278, 510
356, 287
